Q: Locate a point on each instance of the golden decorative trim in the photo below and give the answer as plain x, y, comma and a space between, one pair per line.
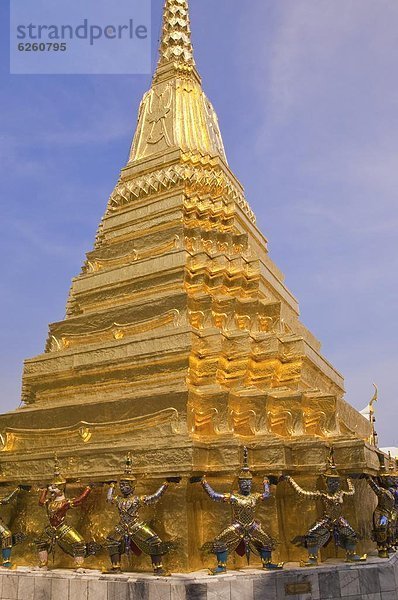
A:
14, 440
243, 423
115, 331
93, 266
204, 422
200, 179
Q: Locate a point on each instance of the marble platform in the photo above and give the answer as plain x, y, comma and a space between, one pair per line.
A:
334, 580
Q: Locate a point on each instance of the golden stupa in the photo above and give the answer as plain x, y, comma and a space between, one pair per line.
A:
181, 343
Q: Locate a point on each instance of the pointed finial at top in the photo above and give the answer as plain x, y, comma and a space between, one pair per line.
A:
175, 43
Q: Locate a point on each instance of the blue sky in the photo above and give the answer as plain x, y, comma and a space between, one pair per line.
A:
307, 96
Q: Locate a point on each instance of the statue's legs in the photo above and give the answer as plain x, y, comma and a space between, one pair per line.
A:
72, 543
43, 559
6, 545
264, 543
150, 543
144, 538
392, 526
394, 529
226, 541
347, 538
380, 531
316, 538
116, 561
266, 559
45, 544
157, 565
115, 542
67, 538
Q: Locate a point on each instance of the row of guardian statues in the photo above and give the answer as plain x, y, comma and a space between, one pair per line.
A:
244, 535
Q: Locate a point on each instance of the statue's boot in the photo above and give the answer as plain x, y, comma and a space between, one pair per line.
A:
221, 563
158, 568
353, 557
6, 553
383, 552
312, 560
266, 559
116, 561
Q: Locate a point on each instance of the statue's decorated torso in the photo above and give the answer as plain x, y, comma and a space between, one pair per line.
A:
128, 509
385, 497
386, 501
333, 505
244, 508
58, 507
332, 502
394, 492
56, 511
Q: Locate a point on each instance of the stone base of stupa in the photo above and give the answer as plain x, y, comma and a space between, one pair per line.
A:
375, 580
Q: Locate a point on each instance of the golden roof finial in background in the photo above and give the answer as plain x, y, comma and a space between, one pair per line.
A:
369, 413
372, 418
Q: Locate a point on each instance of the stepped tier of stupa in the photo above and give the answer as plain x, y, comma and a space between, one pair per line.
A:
181, 342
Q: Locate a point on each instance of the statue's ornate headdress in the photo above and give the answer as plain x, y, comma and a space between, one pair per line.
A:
245, 471
331, 469
128, 469
58, 479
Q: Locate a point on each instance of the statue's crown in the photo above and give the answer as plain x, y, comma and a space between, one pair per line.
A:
245, 472
58, 479
331, 469
128, 469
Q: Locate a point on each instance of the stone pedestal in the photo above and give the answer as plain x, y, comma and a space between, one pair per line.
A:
375, 580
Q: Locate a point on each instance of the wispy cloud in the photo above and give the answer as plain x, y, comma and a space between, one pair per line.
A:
321, 50
325, 150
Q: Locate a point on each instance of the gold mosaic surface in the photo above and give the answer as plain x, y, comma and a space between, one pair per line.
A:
181, 343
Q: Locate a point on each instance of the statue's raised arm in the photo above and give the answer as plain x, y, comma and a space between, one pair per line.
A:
215, 496
311, 495
154, 498
351, 488
8, 499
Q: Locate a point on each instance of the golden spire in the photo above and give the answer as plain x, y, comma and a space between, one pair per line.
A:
175, 114
175, 49
175, 44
